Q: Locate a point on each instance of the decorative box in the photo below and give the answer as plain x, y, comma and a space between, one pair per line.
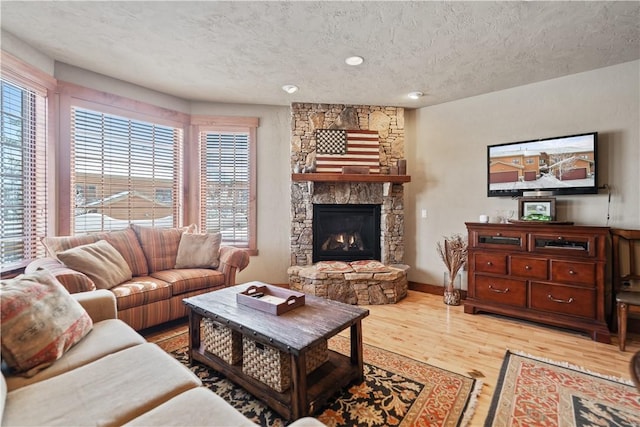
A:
273, 367
222, 341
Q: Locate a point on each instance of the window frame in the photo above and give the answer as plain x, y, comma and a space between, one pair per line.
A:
72, 95
21, 74
249, 125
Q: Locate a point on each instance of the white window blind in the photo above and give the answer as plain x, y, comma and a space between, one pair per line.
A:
226, 185
123, 171
23, 185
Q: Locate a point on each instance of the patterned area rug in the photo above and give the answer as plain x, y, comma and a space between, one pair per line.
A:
532, 391
397, 391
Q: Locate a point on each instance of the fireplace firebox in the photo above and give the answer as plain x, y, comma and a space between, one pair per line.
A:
346, 232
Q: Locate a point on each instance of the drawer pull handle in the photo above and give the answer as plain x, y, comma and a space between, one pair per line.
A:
489, 263
499, 291
561, 301
572, 272
560, 238
527, 267
498, 234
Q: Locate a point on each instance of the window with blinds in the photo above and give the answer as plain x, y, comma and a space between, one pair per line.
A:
123, 171
23, 185
227, 186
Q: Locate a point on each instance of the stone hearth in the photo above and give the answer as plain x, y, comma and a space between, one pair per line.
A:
351, 288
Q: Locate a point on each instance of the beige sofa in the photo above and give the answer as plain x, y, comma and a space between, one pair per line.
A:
114, 377
154, 292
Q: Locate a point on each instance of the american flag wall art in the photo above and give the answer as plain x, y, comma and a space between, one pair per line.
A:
336, 148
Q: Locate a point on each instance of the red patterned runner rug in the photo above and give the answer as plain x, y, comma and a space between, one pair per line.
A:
538, 392
398, 391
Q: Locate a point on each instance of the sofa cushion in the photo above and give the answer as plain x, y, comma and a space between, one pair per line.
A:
212, 410
108, 392
74, 281
40, 321
127, 244
160, 245
57, 244
100, 261
199, 251
141, 291
192, 279
106, 337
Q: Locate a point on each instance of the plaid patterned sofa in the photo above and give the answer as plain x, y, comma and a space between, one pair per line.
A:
155, 292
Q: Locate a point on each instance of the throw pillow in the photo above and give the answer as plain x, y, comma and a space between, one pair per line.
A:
40, 321
199, 251
74, 281
369, 266
160, 245
333, 267
56, 244
127, 244
100, 261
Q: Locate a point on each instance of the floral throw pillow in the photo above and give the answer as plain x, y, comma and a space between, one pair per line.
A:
39, 322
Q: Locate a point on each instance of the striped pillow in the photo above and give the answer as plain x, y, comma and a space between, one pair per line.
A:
40, 321
73, 281
57, 244
160, 245
127, 244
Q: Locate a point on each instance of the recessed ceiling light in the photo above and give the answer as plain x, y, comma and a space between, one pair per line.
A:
415, 95
290, 88
354, 60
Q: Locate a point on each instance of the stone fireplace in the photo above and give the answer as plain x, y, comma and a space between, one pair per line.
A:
384, 195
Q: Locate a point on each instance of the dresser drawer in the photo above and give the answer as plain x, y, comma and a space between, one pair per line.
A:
490, 263
562, 299
575, 272
532, 268
565, 245
499, 238
503, 291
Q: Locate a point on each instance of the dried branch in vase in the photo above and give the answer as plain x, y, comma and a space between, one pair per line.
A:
453, 253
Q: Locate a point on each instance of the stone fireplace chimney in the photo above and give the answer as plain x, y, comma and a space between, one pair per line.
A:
389, 123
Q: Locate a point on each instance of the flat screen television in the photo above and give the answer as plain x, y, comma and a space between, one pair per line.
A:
561, 165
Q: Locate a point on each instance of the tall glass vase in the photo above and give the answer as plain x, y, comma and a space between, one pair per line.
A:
452, 289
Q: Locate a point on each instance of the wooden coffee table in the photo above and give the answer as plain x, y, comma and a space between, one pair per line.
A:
294, 333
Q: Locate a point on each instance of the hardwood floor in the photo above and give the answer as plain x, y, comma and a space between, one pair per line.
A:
422, 327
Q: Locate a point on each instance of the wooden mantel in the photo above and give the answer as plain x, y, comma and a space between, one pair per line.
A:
343, 177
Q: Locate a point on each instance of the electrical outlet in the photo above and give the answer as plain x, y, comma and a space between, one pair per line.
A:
424, 213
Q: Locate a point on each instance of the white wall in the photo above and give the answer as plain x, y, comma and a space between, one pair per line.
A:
446, 148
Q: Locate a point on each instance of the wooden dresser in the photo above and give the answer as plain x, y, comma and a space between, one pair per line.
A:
547, 273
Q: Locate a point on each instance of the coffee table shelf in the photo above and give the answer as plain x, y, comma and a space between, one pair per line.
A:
321, 383
295, 333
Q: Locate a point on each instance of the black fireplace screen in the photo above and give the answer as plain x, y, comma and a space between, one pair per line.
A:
346, 232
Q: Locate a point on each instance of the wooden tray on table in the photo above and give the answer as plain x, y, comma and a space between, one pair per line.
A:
270, 299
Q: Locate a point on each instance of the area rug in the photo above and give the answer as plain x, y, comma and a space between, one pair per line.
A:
397, 391
538, 392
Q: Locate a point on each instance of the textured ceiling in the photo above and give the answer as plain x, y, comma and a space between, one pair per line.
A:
243, 52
